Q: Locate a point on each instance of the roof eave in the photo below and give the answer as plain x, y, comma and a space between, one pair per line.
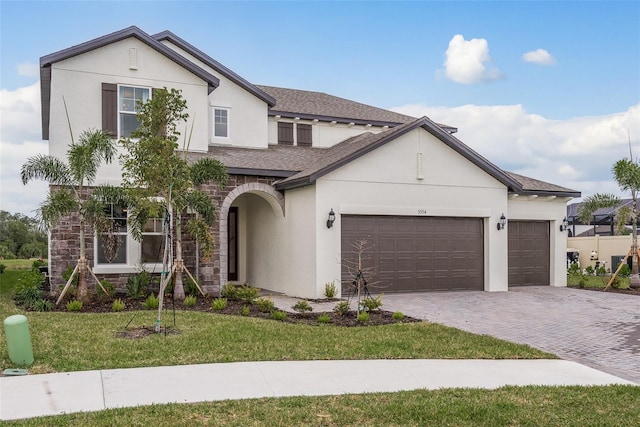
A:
542, 193
240, 81
344, 120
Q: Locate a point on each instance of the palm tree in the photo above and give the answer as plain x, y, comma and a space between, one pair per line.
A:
69, 193
626, 172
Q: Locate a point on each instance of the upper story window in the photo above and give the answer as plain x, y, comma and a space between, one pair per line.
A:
221, 122
128, 98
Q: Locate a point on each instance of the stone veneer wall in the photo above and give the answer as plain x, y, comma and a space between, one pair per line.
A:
65, 251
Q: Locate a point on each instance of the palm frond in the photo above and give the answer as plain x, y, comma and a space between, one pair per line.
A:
47, 168
592, 203
627, 174
58, 204
209, 170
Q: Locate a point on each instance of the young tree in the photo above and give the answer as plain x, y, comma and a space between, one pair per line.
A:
71, 195
626, 172
161, 181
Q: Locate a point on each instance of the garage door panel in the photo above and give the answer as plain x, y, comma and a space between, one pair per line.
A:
529, 253
417, 253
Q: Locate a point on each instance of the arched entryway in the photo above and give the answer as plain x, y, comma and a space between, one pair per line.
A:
248, 215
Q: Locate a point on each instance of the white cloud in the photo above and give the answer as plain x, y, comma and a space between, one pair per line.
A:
539, 56
20, 138
28, 69
577, 153
468, 61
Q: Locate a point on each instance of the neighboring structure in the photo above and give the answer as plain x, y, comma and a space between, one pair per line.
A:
310, 174
603, 221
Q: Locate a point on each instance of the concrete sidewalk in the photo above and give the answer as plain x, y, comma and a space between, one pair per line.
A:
59, 393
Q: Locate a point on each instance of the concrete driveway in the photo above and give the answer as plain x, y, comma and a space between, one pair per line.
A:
597, 329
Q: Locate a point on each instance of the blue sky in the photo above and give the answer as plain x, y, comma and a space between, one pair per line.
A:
540, 88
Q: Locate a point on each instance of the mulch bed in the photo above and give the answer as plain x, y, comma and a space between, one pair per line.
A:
629, 291
235, 308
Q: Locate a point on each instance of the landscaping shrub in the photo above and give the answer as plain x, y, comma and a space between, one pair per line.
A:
302, 306
189, 301
324, 318
43, 305
363, 317
372, 304
625, 271
74, 305
574, 269
108, 287
117, 305
265, 305
330, 290
589, 270
151, 303
397, 315
230, 291
138, 284
2, 268
341, 308
279, 315
601, 271
245, 310
29, 289
67, 273
219, 304
247, 293
36, 264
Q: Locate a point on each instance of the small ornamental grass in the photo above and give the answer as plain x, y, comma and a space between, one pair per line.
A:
265, 305
230, 291
341, 308
74, 305
247, 293
245, 310
302, 306
397, 315
372, 304
279, 315
324, 318
219, 304
363, 317
151, 303
118, 305
330, 290
189, 301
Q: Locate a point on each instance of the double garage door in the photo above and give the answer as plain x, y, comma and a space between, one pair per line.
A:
409, 254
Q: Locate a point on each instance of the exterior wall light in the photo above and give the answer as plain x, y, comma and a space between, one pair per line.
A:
332, 218
502, 222
564, 224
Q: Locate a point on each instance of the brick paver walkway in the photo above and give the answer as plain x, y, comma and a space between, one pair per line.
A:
600, 330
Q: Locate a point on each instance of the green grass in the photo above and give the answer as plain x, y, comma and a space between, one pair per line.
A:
17, 264
70, 342
507, 406
596, 282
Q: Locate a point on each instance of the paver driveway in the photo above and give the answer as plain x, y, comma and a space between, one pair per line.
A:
597, 329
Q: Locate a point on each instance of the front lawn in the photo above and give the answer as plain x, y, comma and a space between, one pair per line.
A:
507, 406
83, 341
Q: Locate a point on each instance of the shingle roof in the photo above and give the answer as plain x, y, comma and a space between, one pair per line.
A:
535, 186
321, 106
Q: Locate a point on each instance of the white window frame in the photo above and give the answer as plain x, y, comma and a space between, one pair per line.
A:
133, 257
214, 109
120, 111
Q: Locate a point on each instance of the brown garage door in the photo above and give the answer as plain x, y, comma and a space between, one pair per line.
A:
408, 254
528, 253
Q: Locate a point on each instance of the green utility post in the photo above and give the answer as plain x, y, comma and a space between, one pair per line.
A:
16, 329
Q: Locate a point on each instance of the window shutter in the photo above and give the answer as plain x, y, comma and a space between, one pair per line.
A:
285, 133
110, 108
304, 135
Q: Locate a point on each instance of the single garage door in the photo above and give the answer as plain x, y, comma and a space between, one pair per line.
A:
528, 253
409, 254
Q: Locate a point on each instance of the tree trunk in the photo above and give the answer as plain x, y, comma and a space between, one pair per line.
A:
178, 288
82, 293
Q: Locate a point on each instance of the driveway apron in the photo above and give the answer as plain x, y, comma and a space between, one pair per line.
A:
597, 329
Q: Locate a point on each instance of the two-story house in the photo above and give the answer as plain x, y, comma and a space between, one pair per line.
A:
310, 176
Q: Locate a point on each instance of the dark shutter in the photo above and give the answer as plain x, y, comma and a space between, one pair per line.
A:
285, 133
304, 135
110, 108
